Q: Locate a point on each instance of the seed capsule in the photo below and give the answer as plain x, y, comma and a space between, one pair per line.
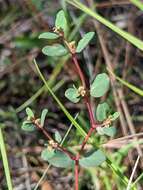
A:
107, 122
72, 47
58, 31
82, 91
53, 144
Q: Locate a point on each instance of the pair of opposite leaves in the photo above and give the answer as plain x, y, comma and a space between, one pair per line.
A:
58, 49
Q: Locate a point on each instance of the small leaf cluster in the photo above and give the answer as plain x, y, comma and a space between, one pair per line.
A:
60, 159
72, 94
103, 115
30, 123
53, 154
59, 31
98, 88
57, 158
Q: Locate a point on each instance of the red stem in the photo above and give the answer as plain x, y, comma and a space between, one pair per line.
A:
50, 138
87, 102
86, 138
42, 129
77, 172
91, 117
92, 123
89, 108
79, 70
66, 152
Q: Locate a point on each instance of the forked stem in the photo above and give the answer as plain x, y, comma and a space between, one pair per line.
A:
57, 146
93, 123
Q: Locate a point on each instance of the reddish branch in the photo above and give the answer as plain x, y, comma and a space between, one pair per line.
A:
72, 50
80, 73
91, 117
93, 123
86, 138
87, 102
76, 173
55, 145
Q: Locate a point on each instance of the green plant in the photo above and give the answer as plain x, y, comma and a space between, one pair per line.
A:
55, 153
127, 36
5, 160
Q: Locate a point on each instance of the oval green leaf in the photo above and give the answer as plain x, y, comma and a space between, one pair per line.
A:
84, 41
54, 50
48, 36
28, 126
47, 154
58, 137
100, 85
43, 116
102, 111
95, 159
115, 116
109, 131
60, 160
61, 21
29, 112
100, 131
72, 94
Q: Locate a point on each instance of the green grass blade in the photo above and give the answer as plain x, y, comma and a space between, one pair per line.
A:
133, 173
51, 81
37, 94
5, 161
78, 127
68, 131
138, 4
125, 83
127, 36
117, 171
30, 100
130, 86
137, 180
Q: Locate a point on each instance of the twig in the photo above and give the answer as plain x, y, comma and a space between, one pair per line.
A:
77, 173
46, 170
133, 172
54, 144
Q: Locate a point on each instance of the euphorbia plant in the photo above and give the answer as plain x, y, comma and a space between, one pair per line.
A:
54, 153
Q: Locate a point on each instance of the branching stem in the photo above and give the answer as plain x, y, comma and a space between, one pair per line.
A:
93, 123
50, 138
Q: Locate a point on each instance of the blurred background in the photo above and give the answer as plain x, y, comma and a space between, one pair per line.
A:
21, 22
